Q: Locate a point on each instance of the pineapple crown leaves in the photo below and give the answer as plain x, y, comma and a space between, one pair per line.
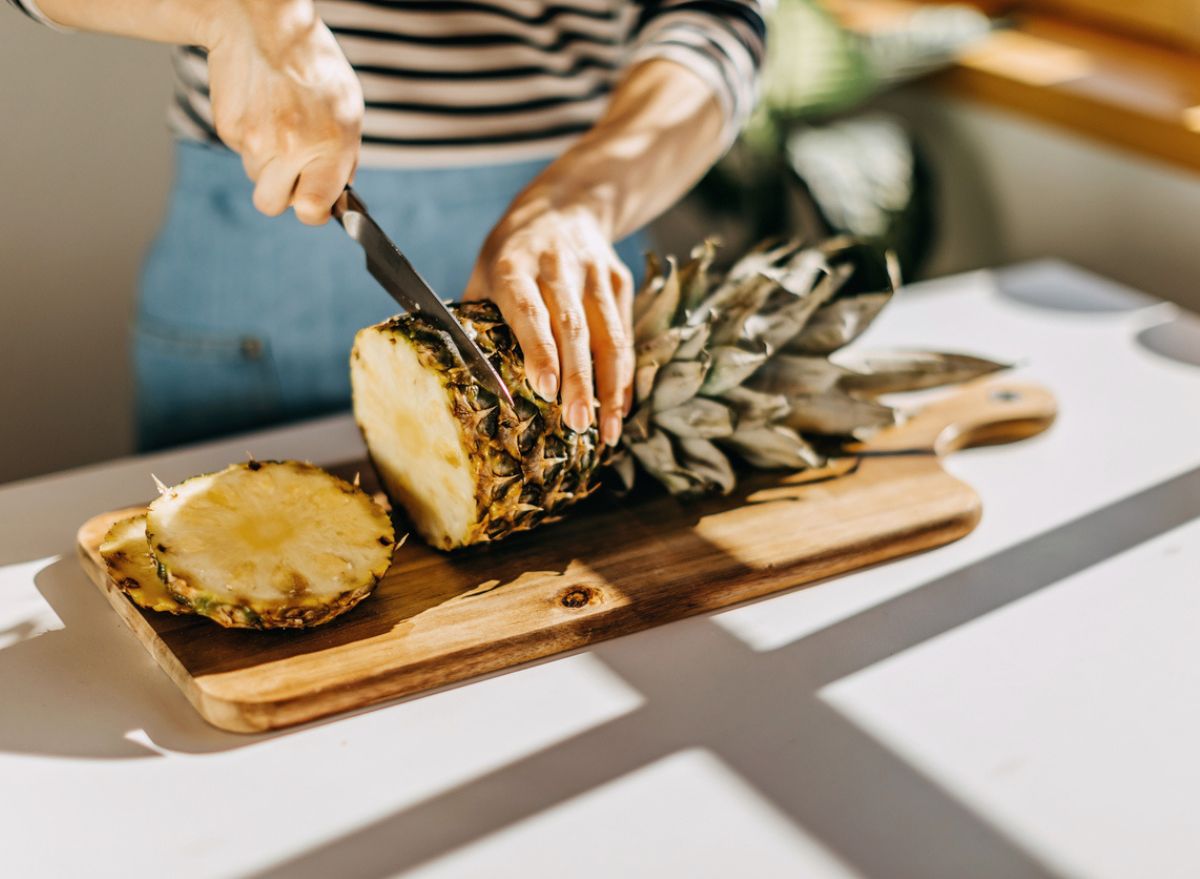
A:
748, 363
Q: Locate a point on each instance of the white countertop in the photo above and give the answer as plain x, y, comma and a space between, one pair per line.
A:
1021, 703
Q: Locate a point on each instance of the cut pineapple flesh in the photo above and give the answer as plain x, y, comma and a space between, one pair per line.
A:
269, 544
416, 442
131, 566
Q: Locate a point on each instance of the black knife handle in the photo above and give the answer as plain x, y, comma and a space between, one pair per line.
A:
348, 201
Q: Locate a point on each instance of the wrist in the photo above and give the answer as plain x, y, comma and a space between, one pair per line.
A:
550, 194
274, 26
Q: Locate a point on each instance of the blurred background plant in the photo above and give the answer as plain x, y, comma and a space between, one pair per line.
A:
817, 158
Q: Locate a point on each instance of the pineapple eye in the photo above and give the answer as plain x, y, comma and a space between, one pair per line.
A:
525, 409
484, 399
500, 337
554, 448
489, 424
505, 465
529, 437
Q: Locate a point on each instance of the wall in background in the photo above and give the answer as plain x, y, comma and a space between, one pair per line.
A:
85, 166
1012, 190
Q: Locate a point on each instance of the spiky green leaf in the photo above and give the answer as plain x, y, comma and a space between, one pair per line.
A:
703, 459
888, 372
698, 417
754, 408
836, 413
792, 376
837, 324
731, 366
657, 457
773, 446
660, 312
676, 383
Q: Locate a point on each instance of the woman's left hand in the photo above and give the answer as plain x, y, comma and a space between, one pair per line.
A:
569, 300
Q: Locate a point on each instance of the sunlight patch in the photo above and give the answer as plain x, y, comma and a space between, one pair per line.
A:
24, 613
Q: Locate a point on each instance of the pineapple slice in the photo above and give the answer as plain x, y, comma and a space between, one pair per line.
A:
269, 544
133, 568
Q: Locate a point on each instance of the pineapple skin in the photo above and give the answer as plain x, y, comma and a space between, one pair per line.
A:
294, 613
525, 464
239, 616
133, 568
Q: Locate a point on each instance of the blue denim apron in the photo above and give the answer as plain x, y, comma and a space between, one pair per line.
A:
245, 321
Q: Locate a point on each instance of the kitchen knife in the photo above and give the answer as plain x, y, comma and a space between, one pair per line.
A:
397, 276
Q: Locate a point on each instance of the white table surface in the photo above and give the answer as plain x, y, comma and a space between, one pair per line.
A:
1025, 702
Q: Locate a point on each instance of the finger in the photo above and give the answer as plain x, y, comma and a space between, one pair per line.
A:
255, 149
623, 293
273, 191
622, 286
516, 293
321, 182
611, 351
253, 164
560, 283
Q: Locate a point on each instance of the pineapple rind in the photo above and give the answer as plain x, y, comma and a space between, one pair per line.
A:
525, 464
133, 568
197, 572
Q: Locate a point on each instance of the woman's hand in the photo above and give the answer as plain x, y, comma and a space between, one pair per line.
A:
283, 94
549, 264
569, 299
286, 99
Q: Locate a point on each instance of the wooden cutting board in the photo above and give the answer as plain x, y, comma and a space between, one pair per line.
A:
611, 568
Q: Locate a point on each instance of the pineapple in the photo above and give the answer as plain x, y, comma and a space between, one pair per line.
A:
466, 468
744, 365
132, 567
268, 544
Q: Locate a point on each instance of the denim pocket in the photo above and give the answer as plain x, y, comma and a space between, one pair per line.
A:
194, 385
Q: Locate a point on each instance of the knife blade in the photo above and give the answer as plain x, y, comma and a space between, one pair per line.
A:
391, 268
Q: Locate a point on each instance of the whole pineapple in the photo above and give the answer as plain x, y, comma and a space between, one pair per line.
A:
736, 365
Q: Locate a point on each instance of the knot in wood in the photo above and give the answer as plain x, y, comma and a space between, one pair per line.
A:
579, 596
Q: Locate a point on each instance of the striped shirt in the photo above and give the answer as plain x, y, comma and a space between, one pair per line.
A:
455, 82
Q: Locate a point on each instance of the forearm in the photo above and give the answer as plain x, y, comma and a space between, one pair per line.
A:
185, 22
660, 134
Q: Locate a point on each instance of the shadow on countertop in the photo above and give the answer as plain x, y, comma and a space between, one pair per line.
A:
862, 801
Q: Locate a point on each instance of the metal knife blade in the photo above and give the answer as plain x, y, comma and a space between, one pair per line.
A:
397, 276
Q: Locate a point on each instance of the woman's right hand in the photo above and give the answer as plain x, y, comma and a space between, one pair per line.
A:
285, 98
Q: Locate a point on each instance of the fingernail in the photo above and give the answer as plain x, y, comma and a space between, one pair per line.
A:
579, 416
612, 429
546, 385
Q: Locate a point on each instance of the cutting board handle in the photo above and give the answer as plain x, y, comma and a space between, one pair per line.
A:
987, 412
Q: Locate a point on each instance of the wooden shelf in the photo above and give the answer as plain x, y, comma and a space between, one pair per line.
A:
1120, 90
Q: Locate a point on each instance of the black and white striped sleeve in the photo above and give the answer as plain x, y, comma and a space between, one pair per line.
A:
31, 8
722, 41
